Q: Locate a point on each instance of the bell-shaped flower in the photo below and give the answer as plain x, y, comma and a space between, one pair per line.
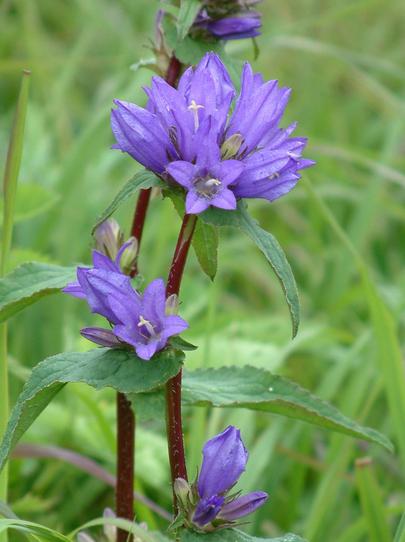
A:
208, 505
232, 144
144, 322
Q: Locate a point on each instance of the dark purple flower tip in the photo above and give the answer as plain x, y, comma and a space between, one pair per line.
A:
207, 510
224, 460
234, 28
101, 336
242, 506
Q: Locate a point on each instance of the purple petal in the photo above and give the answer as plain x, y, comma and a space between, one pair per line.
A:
75, 290
173, 325
100, 286
139, 133
196, 204
233, 28
182, 172
154, 301
100, 261
103, 337
227, 171
224, 460
225, 199
207, 510
146, 351
242, 506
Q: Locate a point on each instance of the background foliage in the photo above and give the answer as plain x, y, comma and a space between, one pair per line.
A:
345, 63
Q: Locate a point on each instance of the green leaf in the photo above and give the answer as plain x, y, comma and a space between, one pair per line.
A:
205, 238
371, 501
187, 14
12, 169
180, 344
258, 389
189, 50
20, 256
29, 528
29, 283
205, 244
400, 532
234, 535
6, 511
140, 533
32, 199
269, 246
100, 368
141, 180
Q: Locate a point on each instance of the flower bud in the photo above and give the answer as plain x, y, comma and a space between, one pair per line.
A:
110, 531
231, 146
128, 255
172, 304
183, 493
109, 238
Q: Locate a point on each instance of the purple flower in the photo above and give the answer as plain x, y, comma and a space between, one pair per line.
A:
207, 504
247, 25
218, 146
141, 321
230, 20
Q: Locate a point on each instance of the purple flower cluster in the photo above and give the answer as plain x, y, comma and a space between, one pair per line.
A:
229, 19
219, 146
142, 321
208, 504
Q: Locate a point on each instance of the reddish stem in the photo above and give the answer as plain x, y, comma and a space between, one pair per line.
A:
125, 414
173, 387
125, 464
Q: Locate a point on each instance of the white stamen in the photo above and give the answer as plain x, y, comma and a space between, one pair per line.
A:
274, 176
213, 182
293, 155
194, 107
149, 327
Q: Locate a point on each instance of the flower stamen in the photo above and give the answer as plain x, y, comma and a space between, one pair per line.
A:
207, 187
194, 107
149, 327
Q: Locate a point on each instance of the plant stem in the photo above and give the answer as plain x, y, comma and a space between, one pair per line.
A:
173, 387
125, 414
125, 464
11, 172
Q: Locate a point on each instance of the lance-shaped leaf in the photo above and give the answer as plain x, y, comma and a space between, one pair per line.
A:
269, 246
100, 368
205, 238
234, 535
258, 389
187, 14
29, 283
141, 180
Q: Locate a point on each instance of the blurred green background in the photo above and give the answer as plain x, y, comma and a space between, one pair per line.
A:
345, 62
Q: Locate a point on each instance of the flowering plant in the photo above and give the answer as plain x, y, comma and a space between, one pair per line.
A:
209, 147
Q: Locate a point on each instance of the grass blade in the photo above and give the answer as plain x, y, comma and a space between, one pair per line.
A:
9, 191
371, 502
